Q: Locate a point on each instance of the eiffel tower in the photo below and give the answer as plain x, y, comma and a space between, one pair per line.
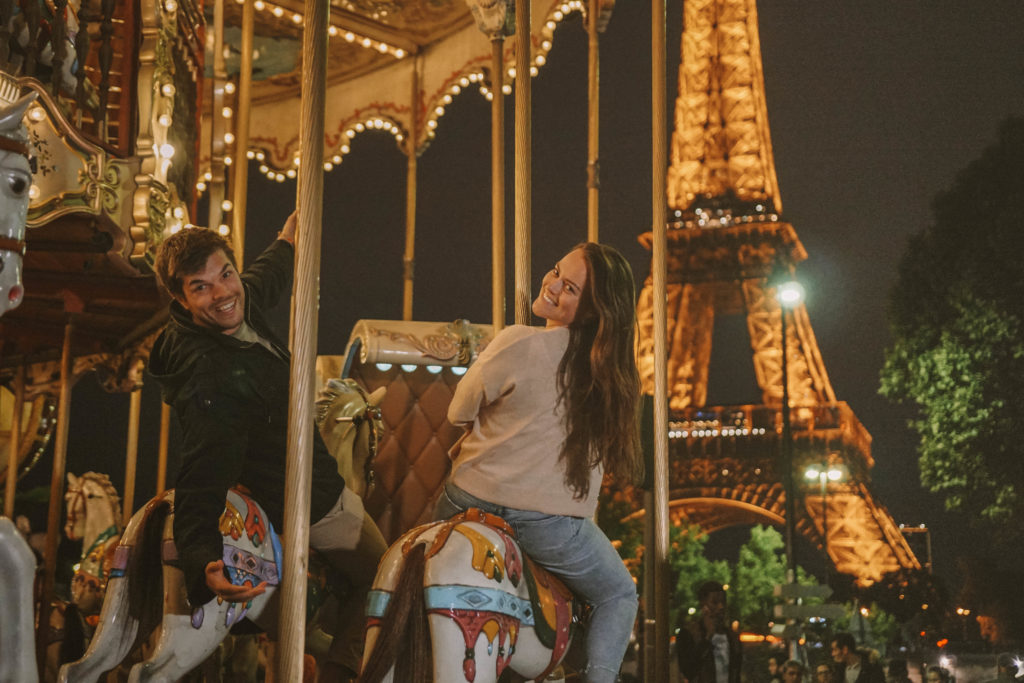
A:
726, 238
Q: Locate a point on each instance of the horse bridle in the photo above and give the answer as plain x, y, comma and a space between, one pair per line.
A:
373, 414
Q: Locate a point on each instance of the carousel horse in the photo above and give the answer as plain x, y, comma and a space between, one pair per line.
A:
15, 181
94, 518
349, 421
20, 40
17, 619
464, 587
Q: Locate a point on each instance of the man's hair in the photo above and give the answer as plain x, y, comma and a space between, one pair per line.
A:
794, 664
186, 252
707, 589
844, 639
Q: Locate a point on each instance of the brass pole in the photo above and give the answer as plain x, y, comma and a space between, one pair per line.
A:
497, 183
524, 143
161, 466
131, 456
216, 187
594, 107
409, 258
298, 473
240, 171
53, 525
14, 443
658, 206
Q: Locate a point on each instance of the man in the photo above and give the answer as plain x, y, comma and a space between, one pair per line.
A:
227, 376
707, 650
824, 673
1006, 668
853, 666
793, 671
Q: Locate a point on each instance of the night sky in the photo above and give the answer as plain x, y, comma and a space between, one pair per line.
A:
874, 106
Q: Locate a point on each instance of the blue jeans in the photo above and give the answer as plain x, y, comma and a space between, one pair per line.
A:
581, 555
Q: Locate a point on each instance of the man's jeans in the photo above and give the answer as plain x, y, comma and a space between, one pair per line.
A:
579, 553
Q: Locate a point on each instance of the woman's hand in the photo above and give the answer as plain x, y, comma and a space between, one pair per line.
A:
287, 232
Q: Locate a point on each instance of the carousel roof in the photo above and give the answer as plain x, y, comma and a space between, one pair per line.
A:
392, 66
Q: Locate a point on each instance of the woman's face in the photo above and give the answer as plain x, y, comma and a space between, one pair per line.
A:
560, 290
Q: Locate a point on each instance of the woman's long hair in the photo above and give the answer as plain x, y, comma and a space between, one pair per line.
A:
598, 383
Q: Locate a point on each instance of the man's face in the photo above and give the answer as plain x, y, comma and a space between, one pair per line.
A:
791, 674
714, 607
838, 653
823, 674
214, 295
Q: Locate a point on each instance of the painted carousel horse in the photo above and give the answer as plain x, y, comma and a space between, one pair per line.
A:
15, 181
94, 518
17, 620
46, 16
464, 587
349, 421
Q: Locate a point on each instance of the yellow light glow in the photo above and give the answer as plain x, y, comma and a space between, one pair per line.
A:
223, 229
226, 205
167, 150
229, 139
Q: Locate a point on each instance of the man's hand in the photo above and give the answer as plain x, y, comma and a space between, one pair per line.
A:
217, 582
287, 233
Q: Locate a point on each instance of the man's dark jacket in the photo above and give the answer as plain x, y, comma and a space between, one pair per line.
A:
231, 399
696, 654
870, 672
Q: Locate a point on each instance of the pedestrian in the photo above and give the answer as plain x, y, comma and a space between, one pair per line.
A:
852, 664
227, 376
793, 671
707, 650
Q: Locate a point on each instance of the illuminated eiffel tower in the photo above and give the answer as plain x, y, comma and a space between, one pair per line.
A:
726, 237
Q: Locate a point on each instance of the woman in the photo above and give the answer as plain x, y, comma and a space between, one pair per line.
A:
548, 411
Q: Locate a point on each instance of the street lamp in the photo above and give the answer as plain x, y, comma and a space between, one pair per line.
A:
789, 294
824, 474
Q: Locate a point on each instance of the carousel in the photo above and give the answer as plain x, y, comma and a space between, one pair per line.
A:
125, 121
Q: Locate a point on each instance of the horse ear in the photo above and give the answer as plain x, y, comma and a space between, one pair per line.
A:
72, 480
375, 398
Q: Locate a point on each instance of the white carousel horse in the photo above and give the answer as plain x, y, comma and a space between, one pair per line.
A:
21, 37
17, 631
15, 181
464, 587
349, 420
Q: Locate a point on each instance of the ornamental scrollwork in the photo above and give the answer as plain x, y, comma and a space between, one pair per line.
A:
101, 180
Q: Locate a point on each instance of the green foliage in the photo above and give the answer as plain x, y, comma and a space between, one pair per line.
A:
690, 568
957, 315
875, 629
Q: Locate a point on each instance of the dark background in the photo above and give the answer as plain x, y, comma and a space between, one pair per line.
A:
873, 108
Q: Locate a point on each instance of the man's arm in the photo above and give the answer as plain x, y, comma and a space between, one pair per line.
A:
269, 276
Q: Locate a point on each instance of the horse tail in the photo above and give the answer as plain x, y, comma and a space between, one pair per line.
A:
404, 634
146, 595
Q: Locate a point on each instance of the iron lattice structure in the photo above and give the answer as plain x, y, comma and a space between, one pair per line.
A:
725, 238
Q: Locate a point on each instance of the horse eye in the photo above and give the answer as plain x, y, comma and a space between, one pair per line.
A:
18, 185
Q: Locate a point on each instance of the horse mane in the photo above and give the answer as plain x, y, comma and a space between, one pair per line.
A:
145, 596
404, 634
109, 491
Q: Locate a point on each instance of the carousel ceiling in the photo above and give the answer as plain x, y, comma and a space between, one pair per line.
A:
392, 66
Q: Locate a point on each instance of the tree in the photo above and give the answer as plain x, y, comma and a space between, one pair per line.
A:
957, 317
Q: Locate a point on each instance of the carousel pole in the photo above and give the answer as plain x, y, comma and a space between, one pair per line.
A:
594, 109
497, 182
131, 456
216, 188
524, 143
409, 257
240, 172
161, 465
53, 525
658, 204
14, 443
298, 473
